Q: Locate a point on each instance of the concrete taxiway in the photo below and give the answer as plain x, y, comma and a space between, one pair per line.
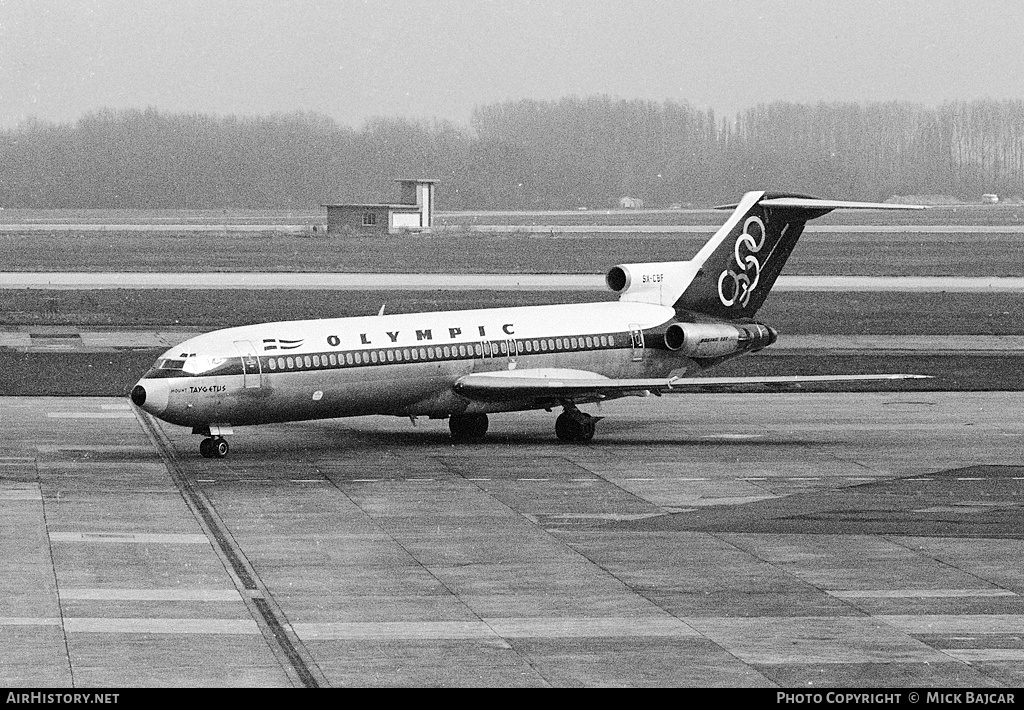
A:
769, 540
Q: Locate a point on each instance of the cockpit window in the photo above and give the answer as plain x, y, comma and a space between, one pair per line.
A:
171, 364
198, 365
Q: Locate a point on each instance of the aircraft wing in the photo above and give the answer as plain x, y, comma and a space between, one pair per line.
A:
556, 384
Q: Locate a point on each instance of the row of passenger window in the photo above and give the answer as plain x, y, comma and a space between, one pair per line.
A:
441, 352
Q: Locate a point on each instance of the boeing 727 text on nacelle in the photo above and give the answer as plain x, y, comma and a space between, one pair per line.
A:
672, 319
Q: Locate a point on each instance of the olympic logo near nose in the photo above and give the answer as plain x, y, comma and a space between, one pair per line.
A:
737, 283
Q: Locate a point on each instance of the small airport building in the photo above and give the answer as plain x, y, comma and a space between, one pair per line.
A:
414, 211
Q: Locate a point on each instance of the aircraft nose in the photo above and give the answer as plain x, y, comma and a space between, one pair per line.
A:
151, 396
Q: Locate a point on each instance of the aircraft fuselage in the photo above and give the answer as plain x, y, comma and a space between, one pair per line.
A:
403, 364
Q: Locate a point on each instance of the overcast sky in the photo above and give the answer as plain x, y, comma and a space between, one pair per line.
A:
355, 59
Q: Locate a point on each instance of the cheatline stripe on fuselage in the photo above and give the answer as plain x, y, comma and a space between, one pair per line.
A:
409, 354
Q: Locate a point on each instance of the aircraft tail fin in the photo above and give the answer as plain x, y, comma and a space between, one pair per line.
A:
731, 275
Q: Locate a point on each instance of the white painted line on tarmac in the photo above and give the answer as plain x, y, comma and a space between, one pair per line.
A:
733, 437
28, 621
91, 415
978, 655
23, 494
955, 623
917, 593
158, 538
549, 627
393, 630
612, 627
603, 516
119, 466
174, 594
246, 627
57, 448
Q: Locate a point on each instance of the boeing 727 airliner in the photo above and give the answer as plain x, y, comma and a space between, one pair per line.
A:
672, 319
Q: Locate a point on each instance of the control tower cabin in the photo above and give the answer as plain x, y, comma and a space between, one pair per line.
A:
414, 211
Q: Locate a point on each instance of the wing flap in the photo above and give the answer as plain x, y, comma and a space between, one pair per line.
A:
524, 384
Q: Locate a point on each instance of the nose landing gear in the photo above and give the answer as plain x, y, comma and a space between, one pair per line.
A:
214, 447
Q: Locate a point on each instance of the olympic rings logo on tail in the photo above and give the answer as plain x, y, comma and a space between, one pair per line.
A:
737, 283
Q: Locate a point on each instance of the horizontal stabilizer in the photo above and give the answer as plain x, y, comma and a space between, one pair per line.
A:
814, 203
571, 384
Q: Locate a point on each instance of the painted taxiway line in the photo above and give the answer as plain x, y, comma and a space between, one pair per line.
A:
150, 595
553, 627
233, 627
468, 282
134, 538
918, 593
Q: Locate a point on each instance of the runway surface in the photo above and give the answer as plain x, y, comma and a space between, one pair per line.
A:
771, 540
466, 282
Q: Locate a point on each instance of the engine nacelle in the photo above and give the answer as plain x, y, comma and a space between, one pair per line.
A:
706, 340
655, 282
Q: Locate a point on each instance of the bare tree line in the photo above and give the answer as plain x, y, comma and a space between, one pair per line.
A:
576, 152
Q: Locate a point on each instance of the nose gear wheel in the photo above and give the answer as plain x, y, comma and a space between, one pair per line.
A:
214, 447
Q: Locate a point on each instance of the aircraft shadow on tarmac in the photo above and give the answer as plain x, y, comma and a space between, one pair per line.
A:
350, 437
977, 502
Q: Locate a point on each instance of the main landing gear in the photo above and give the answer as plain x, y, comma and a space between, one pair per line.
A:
575, 426
214, 447
467, 427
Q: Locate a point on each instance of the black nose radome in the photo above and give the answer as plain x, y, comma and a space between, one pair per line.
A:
139, 395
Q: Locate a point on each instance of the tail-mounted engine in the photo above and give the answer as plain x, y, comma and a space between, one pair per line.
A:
708, 340
655, 282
